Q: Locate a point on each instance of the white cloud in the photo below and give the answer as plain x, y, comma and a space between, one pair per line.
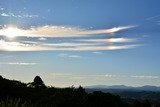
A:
98, 77
69, 56
61, 74
106, 31
62, 31
63, 55
77, 76
58, 31
17, 46
145, 77
5, 14
116, 29
97, 52
42, 38
110, 76
74, 56
71, 44
17, 63
20, 46
92, 76
112, 47
111, 40
18, 15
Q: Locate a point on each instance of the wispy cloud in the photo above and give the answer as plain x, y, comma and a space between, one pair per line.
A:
111, 40
61, 75
69, 56
44, 33
116, 29
113, 47
74, 56
110, 76
42, 38
21, 46
18, 15
145, 77
59, 31
98, 76
96, 52
17, 63
153, 17
69, 44
62, 55
18, 46
78, 76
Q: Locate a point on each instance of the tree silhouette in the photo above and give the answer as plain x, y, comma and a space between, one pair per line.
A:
37, 83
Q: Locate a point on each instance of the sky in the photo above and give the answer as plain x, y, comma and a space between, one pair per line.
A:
81, 42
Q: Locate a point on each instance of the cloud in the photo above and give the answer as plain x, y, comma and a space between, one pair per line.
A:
58, 31
5, 14
62, 55
74, 56
116, 29
17, 63
45, 33
69, 44
76, 76
38, 46
42, 38
82, 76
145, 77
111, 40
110, 76
69, 56
19, 46
97, 76
18, 15
61, 75
153, 17
106, 31
113, 47
97, 52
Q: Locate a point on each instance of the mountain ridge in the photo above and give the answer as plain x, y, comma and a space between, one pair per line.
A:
124, 87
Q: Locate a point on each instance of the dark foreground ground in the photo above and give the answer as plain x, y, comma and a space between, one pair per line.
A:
35, 94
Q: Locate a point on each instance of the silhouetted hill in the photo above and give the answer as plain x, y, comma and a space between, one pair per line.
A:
35, 94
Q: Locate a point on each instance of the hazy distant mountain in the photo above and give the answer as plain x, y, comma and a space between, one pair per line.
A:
123, 87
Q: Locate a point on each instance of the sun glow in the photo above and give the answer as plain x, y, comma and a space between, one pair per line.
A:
11, 32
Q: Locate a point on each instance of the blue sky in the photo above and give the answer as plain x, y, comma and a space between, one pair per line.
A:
81, 42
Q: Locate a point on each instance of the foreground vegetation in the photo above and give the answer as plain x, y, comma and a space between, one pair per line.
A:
36, 94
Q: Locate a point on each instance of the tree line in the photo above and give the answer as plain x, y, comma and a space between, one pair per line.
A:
36, 94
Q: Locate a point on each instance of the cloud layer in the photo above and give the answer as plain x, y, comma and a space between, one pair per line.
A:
101, 76
57, 31
45, 33
4, 14
17, 63
22, 46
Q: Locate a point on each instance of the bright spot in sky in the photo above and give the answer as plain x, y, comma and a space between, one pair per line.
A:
11, 32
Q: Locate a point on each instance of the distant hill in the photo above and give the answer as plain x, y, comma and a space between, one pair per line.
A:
129, 93
123, 87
